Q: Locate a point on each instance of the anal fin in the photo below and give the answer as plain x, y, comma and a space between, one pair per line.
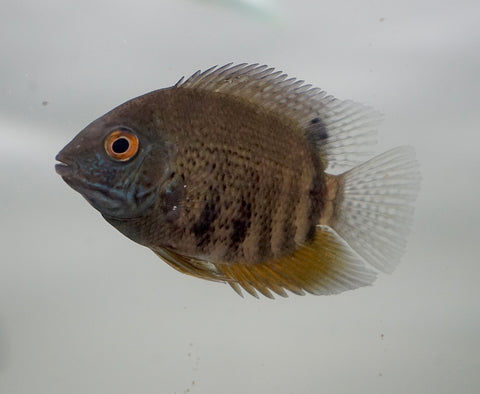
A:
325, 265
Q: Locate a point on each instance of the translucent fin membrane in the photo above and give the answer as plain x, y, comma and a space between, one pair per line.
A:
349, 127
375, 209
326, 265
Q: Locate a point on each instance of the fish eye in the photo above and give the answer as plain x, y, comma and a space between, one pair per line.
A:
121, 144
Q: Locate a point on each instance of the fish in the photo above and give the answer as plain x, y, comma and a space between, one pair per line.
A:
242, 175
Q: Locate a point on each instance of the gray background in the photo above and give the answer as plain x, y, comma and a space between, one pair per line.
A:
84, 310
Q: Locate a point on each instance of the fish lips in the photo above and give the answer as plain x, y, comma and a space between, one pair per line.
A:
65, 168
68, 170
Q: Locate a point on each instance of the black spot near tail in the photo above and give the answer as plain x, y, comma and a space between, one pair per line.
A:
317, 130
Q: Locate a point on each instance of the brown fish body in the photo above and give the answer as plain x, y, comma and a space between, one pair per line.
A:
244, 187
235, 178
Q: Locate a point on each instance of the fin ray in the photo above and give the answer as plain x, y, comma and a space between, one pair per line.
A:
323, 266
375, 210
349, 126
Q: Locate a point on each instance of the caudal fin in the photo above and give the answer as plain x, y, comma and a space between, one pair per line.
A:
374, 208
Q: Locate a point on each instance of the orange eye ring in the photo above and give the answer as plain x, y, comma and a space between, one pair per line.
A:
121, 145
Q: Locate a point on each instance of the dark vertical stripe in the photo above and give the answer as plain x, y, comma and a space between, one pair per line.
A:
289, 225
241, 223
264, 240
202, 228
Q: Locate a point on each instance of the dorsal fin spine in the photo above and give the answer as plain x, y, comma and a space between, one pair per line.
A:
348, 127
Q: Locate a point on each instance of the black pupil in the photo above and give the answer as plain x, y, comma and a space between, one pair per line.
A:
121, 145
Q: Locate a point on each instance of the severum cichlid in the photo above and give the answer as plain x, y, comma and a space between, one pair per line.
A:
226, 176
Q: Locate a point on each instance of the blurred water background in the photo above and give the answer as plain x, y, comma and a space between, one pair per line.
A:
84, 310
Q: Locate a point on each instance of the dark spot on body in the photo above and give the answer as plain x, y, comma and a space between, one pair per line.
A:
202, 228
264, 243
311, 233
287, 236
317, 130
241, 224
318, 190
239, 232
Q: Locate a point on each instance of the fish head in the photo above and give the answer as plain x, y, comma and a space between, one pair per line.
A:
117, 163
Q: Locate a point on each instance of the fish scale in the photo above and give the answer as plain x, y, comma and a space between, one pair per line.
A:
238, 156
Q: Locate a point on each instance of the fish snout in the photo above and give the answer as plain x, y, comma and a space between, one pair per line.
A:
64, 167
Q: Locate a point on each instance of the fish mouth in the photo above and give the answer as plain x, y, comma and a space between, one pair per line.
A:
64, 167
121, 200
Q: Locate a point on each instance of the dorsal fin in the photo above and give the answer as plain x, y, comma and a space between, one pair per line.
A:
325, 265
343, 130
